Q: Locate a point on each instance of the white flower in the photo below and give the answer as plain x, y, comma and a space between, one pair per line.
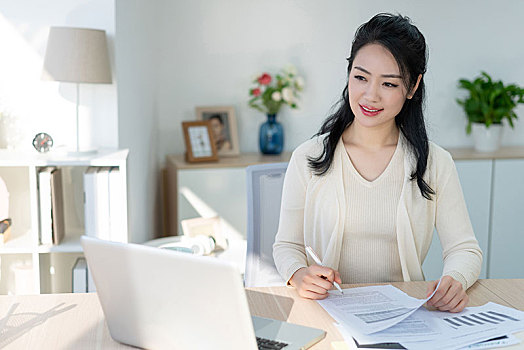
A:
300, 82
287, 94
290, 69
276, 96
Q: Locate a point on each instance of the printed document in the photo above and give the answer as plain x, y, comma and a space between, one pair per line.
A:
470, 326
372, 309
384, 314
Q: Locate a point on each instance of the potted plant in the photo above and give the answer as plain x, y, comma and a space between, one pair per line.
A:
488, 104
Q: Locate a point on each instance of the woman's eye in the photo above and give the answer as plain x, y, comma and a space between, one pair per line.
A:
390, 85
360, 77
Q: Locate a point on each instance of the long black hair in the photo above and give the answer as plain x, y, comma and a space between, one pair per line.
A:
407, 44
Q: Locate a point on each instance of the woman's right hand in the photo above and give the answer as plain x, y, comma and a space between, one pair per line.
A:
313, 282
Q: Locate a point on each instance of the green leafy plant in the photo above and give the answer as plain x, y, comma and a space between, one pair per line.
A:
489, 102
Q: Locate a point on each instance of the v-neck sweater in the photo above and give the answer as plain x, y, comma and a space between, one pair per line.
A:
314, 212
369, 250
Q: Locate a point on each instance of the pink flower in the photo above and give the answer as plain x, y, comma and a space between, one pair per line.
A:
264, 79
255, 92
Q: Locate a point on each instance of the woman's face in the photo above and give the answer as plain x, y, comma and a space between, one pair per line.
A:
217, 128
376, 89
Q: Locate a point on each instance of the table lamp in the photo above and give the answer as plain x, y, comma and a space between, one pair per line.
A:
77, 55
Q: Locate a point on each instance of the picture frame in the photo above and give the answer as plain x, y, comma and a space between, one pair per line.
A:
200, 144
224, 127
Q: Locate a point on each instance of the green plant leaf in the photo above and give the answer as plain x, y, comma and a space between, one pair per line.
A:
489, 101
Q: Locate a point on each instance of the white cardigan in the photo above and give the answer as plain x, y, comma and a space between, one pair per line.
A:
313, 212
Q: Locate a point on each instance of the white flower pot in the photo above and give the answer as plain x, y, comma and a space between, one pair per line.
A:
486, 139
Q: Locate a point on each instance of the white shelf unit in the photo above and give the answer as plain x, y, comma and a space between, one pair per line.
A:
50, 265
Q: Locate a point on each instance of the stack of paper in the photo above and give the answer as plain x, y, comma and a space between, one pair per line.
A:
385, 314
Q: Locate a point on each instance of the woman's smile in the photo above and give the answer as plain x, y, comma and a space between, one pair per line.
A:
370, 111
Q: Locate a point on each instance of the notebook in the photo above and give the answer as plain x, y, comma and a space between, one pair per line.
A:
162, 299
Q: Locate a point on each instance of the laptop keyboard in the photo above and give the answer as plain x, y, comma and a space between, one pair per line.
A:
267, 344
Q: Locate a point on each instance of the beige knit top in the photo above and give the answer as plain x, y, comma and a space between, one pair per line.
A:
316, 210
369, 250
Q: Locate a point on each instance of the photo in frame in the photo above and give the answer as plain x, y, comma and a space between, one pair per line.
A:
224, 128
200, 144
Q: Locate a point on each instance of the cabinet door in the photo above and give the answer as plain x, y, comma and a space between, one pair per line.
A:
221, 191
507, 233
475, 179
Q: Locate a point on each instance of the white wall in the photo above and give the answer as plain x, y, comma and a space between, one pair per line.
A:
173, 55
211, 49
136, 57
51, 106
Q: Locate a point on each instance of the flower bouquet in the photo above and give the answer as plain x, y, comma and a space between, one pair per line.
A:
267, 96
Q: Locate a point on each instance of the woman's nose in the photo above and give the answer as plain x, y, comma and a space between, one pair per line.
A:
372, 92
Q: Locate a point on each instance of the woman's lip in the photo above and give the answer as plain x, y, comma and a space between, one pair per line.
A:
369, 114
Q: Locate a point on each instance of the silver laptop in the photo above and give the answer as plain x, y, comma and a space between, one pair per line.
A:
162, 299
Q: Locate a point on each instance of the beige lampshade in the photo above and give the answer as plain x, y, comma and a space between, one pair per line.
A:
77, 55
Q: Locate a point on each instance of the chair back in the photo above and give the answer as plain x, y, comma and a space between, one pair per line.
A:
264, 194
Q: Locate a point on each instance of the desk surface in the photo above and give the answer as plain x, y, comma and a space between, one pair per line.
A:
76, 321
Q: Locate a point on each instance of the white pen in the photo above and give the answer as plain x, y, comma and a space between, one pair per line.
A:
317, 260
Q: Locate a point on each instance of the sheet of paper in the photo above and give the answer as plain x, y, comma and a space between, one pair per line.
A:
384, 314
371, 309
413, 328
489, 344
430, 330
495, 343
473, 325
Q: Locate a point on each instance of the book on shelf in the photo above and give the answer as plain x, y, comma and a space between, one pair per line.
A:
104, 203
50, 205
44, 205
90, 210
57, 206
117, 205
79, 279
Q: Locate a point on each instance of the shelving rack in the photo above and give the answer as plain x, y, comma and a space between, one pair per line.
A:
19, 169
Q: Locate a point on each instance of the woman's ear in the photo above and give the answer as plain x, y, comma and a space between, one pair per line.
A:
412, 92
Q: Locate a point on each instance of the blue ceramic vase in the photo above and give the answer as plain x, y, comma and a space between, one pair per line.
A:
271, 136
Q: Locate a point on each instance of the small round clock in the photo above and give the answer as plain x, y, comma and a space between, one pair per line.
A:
42, 142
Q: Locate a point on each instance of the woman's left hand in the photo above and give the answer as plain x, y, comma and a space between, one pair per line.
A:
450, 295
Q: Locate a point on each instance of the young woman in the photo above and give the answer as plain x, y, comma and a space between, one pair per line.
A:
367, 191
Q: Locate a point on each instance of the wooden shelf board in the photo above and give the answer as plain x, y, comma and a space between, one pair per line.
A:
509, 152
19, 245
242, 160
70, 244
104, 157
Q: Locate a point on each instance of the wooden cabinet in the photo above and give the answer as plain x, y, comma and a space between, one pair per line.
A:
46, 268
209, 182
